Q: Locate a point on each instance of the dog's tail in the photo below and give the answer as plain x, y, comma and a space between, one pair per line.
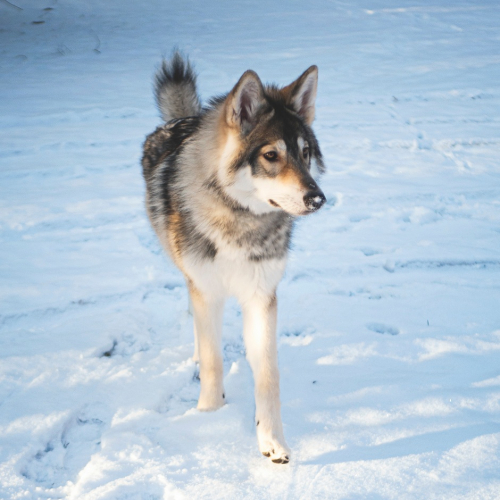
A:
175, 89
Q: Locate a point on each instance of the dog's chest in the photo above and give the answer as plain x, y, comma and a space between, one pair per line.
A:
257, 238
232, 275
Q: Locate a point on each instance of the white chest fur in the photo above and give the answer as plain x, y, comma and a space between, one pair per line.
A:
228, 275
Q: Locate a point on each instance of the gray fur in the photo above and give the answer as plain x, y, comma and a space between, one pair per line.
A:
259, 237
175, 89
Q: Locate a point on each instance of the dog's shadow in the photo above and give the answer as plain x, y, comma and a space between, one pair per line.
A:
439, 441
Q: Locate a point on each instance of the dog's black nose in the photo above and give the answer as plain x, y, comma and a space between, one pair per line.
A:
314, 200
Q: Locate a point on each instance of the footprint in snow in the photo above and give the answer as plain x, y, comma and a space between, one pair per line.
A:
359, 217
64, 456
381, 328
368, 252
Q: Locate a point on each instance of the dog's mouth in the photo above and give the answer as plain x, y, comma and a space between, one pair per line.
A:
292, 213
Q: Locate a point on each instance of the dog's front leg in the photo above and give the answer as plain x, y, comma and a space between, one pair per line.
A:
259, 316
207, 313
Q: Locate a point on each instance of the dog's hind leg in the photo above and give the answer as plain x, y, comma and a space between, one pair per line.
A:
207, 313
259, 317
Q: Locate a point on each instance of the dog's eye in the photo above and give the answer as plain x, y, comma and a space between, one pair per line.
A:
305, 152
271, 156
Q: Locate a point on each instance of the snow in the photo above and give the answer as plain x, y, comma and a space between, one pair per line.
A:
389, 323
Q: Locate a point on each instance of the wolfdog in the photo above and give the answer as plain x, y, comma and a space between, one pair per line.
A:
223, 186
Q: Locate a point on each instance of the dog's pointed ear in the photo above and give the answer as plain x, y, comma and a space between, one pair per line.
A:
244, 102
301, 94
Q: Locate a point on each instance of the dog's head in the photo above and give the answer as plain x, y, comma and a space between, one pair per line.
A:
270, 155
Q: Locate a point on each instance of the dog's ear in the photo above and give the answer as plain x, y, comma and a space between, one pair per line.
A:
301, 94
244, 101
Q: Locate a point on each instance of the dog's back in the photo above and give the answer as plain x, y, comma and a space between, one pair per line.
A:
164, 141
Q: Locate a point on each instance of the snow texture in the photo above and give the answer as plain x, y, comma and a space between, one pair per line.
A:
389, 322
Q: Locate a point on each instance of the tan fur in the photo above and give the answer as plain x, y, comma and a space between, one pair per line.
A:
289, 176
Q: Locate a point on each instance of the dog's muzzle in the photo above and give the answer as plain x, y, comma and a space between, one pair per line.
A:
314, 200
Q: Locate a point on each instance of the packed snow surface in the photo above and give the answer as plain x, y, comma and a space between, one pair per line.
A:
389, 313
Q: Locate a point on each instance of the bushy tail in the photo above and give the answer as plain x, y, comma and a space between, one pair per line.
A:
175, 89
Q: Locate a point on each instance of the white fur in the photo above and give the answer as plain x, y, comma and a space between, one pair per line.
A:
244, 190
229, 152
280, 145
288, 196
254, 285
304, 99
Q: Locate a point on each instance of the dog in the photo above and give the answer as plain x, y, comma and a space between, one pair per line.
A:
224, 184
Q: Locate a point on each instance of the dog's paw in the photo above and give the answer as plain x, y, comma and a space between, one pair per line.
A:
278, 452
211, 401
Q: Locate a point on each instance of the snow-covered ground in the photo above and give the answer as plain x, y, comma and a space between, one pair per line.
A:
389, 316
